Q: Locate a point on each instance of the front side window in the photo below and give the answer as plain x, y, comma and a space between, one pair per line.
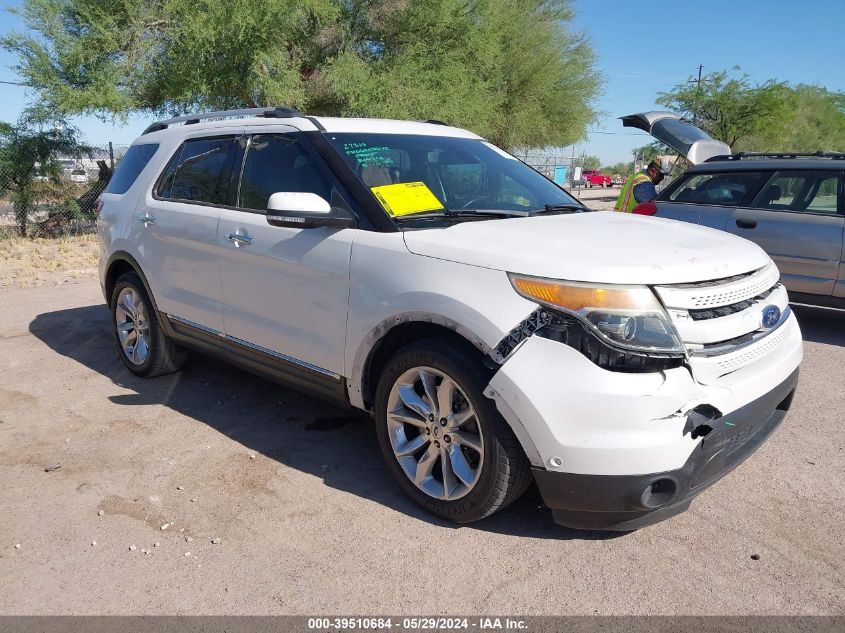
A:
411, 174
274, 163
200, 171
808, 191
728, 189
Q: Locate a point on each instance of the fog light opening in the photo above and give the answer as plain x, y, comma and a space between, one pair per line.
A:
659, 493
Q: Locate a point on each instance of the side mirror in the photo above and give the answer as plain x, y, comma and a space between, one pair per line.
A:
303, 210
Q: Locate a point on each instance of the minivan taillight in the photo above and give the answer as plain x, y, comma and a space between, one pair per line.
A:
98, 206
645, 208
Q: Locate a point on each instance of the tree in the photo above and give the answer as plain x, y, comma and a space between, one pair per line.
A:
647, 153
591, 162
28, 152
512, 70
623, 169
729, 109
815, 120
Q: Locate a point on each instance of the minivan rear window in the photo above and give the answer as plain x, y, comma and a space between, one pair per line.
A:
132, 164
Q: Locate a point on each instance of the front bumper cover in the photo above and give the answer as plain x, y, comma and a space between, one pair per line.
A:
629, 502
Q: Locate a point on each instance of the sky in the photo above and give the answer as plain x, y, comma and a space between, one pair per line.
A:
642, 49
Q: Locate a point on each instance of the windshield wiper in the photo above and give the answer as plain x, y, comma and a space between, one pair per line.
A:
464, 213
569, 207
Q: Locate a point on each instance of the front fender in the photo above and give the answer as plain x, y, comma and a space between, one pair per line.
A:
390, 286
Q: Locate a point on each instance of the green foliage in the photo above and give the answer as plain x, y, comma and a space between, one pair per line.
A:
591, 162
814, 120
28, 153
623, 169
727, 108
647, 153
512, 70
768, 117
71, 210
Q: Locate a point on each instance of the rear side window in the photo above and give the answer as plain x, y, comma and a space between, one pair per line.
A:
730, 189
200, 171
809, 191
132, 164
278, 163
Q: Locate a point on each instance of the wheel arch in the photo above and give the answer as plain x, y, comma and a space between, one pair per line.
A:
396, 332
120, 263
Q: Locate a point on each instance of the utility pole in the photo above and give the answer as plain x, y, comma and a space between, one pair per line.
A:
697, 83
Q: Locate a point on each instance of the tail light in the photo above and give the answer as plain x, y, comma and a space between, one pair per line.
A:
645, 208
98, 206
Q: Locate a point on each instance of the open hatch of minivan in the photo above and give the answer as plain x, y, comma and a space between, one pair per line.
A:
685, 138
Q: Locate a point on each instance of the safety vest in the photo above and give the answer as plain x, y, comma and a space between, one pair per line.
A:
626, 201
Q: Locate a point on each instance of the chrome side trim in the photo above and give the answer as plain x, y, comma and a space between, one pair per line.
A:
258, 348
196, 325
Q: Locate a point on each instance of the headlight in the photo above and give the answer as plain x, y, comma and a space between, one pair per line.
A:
629, 317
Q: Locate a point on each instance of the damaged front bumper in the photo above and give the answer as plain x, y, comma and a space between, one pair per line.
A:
629, 502
613, 450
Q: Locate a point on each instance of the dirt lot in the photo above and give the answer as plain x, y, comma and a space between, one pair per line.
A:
310, 523
26, 262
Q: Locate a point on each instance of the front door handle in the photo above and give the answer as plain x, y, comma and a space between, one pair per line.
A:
146, 220
746, 224
240, 240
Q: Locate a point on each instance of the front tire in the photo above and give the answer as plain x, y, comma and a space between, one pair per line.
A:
442, 440
142, 344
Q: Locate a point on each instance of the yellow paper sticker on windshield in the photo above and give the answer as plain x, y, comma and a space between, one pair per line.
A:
406, 198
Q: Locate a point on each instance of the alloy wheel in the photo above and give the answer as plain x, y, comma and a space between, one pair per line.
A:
434, 433
133, 327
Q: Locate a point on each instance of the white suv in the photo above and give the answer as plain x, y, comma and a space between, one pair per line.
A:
495, 329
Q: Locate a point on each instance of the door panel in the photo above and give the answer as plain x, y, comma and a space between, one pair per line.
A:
795, 220
285, 289
288, 290
805, 247
177, 230
180, 257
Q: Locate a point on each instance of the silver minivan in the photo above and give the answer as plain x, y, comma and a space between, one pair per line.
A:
791, 204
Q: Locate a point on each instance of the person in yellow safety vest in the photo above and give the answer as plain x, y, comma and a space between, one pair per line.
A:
639, 188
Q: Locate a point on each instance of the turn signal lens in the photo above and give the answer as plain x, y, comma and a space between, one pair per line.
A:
576, 297
629, 317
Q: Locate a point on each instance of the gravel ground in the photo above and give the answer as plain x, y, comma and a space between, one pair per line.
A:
212, 491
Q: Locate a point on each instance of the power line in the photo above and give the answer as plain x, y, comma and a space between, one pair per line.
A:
13, 83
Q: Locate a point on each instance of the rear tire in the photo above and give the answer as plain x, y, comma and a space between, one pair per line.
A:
461, 465
142, 344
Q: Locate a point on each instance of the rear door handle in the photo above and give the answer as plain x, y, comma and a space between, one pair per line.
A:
240, 240
746, 224
146, 219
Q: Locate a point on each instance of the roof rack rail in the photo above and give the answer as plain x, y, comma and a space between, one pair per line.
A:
741, 155
433, 122
190, 119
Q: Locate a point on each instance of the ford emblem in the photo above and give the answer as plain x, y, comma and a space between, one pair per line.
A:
771, 316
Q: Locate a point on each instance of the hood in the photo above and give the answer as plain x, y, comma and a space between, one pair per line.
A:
601, 246
681, 136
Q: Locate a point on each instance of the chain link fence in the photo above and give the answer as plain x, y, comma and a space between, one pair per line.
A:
558, 166
63, 205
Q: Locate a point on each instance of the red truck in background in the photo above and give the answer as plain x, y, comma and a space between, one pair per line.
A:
593, 177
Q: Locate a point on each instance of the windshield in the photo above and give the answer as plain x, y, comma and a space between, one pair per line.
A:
414, 174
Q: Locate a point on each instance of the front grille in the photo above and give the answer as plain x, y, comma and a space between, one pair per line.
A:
708, 295
741, 358
715, 313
